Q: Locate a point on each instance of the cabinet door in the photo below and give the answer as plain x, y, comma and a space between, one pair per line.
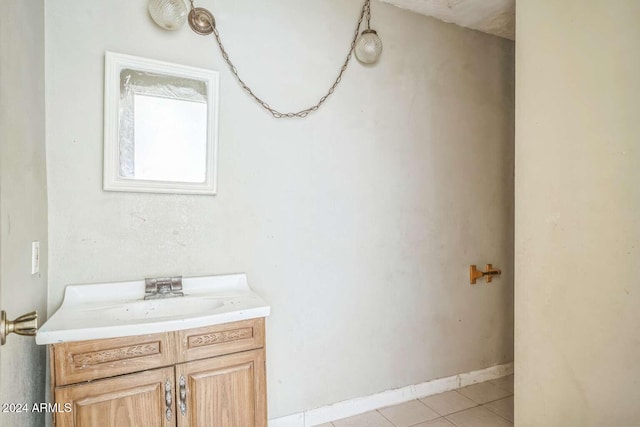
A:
225, 391
138, 399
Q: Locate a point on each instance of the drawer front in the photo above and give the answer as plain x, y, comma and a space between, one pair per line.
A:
89, 360
194, 344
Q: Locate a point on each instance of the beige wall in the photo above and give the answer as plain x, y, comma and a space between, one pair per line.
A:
357, 224
23, 200
577, 213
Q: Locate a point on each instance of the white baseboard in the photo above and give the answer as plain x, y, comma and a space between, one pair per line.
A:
364, 404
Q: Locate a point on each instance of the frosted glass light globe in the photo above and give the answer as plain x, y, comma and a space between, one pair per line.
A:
168, 14
368, 47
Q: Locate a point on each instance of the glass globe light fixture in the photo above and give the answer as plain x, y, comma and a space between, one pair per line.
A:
368, 47
168, 14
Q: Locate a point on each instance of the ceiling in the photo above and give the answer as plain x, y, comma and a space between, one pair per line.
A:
495, 17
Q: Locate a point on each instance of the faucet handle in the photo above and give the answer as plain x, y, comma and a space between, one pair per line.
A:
176, 283
150, 286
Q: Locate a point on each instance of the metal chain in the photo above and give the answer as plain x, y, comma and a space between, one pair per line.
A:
367, 6
366, 11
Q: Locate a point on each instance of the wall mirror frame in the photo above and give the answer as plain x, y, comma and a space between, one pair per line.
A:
160, 126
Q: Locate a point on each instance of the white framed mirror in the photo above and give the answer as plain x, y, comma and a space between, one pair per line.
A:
160, 126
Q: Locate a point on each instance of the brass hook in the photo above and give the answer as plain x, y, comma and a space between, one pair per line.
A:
475, 274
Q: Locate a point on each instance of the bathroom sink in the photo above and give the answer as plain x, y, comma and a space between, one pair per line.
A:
160, 308
109, 310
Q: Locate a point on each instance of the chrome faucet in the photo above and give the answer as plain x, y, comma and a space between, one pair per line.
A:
163, 287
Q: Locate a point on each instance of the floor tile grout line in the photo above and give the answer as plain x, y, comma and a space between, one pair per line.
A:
455, 412
495, 400
382, 415
445, 417
474, 407
441, 416
456, 390
418, 400
462, 410
490, 401
451, 421
428, 421
477, 405
493, 412
452, 412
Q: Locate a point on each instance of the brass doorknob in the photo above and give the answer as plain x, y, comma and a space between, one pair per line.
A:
27, 324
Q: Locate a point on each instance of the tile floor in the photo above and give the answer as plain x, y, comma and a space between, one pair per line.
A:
488, 404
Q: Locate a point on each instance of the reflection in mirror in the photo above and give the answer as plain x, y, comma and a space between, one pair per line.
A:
171, 135
160, 135
163, 127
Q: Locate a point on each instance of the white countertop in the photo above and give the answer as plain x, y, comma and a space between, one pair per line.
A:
109, 310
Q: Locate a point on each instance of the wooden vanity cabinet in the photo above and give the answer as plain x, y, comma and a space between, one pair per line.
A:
212, 376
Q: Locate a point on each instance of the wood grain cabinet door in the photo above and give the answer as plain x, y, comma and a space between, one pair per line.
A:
133, 400
225, 391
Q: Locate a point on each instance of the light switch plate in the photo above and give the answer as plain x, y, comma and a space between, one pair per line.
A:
35, 257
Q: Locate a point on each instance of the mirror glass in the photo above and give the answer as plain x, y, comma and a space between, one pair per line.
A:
160, 134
